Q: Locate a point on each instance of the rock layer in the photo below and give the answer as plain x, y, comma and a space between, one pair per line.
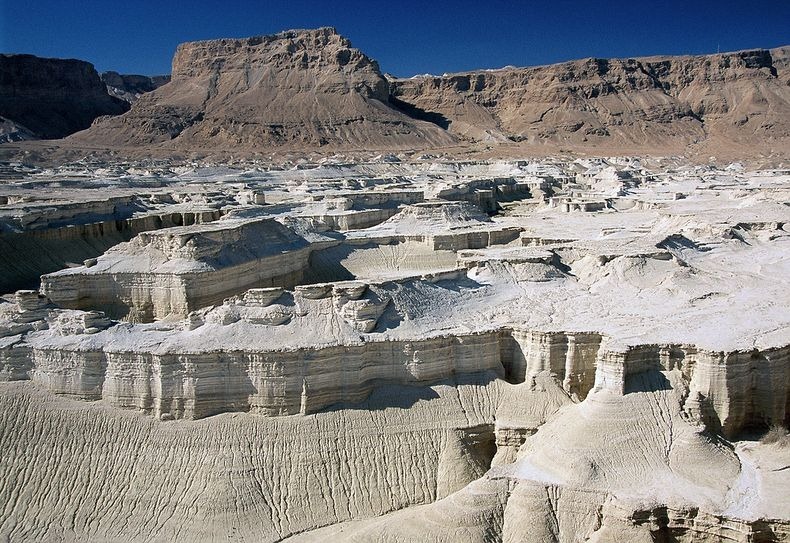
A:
590, 357
173, 271
129, 87
650, 104
297, 88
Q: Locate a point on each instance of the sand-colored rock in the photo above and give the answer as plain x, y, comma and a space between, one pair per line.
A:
294, 89
653, 104
349, 338
173, 271
483, 357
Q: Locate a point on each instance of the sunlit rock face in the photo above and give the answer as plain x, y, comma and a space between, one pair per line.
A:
652, 104
297, 89
397, 350
338, 332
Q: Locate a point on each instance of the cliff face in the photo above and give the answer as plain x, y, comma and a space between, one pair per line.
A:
296, 88
129, 87
648, 103
53, 98
591, 364
310, 89
781, 61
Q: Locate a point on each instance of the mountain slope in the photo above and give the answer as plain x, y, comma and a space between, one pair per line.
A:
129, 87
309, 90
647, 103
302, 88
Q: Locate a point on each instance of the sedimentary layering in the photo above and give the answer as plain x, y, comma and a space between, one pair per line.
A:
310, 89
175, 270
654, 103
395, 349
46, 226
305, 88
51, 97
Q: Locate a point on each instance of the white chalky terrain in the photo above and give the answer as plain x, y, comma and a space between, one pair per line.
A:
397, 349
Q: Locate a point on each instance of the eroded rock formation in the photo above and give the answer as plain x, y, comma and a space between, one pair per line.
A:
403, 365
650, 104
51, 97
297, 88
408, 347
129, 87
310, 89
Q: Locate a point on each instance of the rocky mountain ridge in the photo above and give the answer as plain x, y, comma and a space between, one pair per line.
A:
311, 90
51, 97
644, 103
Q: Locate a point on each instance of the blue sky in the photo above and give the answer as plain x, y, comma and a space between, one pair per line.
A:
406, 37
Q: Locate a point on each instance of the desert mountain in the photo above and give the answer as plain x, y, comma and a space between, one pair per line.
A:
297, 88
51, 97
310, 89
655, 103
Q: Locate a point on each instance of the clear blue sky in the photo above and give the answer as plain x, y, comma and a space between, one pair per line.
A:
406, 37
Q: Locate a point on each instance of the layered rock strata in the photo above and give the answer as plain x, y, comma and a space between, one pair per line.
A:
304, 89
173, 271
170, 272
726, 396
294, 89
597, 375
651, 104
58, 246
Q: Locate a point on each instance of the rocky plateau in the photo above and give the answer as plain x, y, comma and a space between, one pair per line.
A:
350, 332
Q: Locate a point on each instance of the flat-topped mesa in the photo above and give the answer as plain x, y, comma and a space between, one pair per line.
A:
301, 88
727, 392
45, 237
321, 50
190, 379
170, 272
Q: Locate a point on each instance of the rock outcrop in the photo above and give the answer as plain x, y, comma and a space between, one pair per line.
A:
172, 271
129, 87
781, 61
648, 104
13, 131
301, 88
397, 351
310, 89
37, 238
51, 97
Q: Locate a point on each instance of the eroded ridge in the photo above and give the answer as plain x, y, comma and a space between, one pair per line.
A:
406, 350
